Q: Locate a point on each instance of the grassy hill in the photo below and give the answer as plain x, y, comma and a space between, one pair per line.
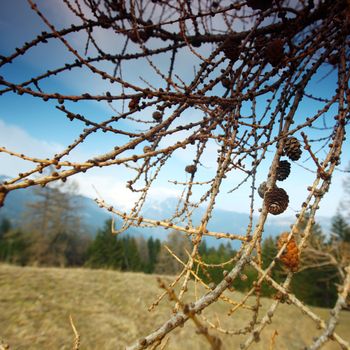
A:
109, 309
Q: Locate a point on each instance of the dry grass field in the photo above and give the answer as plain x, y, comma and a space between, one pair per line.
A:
109, 309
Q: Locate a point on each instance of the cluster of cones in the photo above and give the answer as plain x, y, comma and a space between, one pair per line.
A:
276, 199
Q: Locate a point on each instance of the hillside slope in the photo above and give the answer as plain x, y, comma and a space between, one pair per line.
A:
109, 309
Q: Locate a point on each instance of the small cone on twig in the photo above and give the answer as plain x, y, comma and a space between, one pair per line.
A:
292, 148
274, 52
276, 200
290, 257
191, 169
226, 83
231, 48
157, 116
147, 149
134, 103
105, 21
283, 170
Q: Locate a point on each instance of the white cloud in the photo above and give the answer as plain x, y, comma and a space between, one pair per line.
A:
106, 186
111, 187
109, 182
18, 140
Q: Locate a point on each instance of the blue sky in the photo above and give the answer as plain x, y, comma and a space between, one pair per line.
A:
38, 129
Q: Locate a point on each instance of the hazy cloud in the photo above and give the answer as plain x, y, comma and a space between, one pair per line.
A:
18, 140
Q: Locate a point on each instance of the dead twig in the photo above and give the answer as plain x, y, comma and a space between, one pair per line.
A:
76, 343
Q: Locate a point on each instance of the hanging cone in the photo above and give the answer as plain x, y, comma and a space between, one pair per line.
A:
226, 83
290, 257
276, 200
274, 52
231, 48
191, 169
157, 116
292, 148
105, 21
283, 170
147, 149
134, 103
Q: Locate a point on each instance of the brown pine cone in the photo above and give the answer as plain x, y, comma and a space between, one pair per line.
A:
191, 169
283, 170
276, 200
134, 103
274, 52
157, 116
105, 21
292, 148
231, 48
147, 149
226, 83
290, 256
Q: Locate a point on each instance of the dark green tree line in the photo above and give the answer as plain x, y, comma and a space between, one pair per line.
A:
124, 253
314, 283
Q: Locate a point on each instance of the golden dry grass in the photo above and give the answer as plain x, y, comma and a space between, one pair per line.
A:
109, 309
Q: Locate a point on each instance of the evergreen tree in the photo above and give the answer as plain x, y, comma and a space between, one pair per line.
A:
143, 252
5, 226
222, 253
106, 251
215, 256
153, 253
130, 255
340, 241
203, 249
340, 228
317, 238
13, 247
109, 251
316, 286
229, 251
268, 251
157, 247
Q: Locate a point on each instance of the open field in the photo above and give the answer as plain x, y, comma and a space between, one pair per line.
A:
110, 311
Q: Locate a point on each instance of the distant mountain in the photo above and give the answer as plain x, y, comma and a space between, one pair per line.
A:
16, 202
225, 220
94, 217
